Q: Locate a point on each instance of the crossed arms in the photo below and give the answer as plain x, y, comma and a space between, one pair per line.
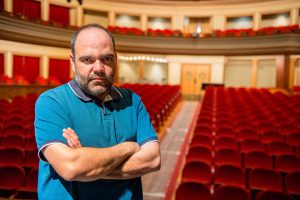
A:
123, 161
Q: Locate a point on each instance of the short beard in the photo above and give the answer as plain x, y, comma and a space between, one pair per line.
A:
84, 84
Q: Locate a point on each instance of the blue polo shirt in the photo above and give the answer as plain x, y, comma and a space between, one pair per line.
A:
120, 117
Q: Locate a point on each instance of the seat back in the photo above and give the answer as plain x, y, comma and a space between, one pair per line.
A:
193, 191
231, 193
264, 179
273, 195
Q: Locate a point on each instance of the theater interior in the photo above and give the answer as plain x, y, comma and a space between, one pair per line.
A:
220, 80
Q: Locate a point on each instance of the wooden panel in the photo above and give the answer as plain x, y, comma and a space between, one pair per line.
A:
9, 91
193, 75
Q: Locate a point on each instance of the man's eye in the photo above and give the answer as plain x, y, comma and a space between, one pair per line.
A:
87, 60
108, 59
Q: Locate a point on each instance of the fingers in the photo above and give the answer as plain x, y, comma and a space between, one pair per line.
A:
72, 138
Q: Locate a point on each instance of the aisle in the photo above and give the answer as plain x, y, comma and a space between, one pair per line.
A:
155, 184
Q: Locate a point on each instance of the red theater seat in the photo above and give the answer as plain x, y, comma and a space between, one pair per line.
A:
258, 159
230, 175
251, 145
226, 142
201, 140
292, 181
270, 136
29, 189
199, 153
287, 163
11, 178
31, 159
12, 141
278, 147
231, 193
196, 171
265, 179
273, 195
193, 191
245, 134
11, 155
229, 157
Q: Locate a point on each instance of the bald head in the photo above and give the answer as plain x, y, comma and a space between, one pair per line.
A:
90, 26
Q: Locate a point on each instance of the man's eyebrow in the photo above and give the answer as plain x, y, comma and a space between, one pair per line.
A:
83, 57
108, 54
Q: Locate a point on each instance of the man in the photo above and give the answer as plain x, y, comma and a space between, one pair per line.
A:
119, 144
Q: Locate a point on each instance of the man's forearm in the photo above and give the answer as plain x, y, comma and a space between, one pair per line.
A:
87, 164
143, 162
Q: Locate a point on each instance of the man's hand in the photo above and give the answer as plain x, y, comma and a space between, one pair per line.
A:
72, 138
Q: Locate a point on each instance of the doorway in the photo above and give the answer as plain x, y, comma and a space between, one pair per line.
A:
192, 77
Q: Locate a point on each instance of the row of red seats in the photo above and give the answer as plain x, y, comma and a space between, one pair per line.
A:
196, 191
262, 31
254, 180
17, 140
216, 33
244, 145
18, 150
18, 183
159, 100
20, 80
17, 115
27, 158
253, 157
239, 140
265, 134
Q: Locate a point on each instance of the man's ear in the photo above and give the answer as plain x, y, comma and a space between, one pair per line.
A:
72, 62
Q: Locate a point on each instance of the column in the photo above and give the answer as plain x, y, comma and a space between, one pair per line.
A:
144, 22
73, 18
282, 71
44, 66
254, 72
8, 64
297, 81
45, 9
111, 18
174, 75
8, 5
79, 18
141, 72
294, 16
219, 22
292, 73
256, 21
178, 22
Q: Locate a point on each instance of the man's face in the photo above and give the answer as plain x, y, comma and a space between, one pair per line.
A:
94, 63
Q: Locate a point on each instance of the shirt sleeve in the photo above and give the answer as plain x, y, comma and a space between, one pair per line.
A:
50, 118
145, 130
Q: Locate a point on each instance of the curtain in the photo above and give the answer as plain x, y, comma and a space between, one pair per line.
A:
1, 64
27, 67
59, 69
1, 4
28, 8
32, 68
17, 6
59, 14
32, 9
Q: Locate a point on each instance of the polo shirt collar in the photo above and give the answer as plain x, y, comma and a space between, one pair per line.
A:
114, 93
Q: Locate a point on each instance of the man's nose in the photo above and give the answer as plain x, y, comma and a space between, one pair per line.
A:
98, 66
